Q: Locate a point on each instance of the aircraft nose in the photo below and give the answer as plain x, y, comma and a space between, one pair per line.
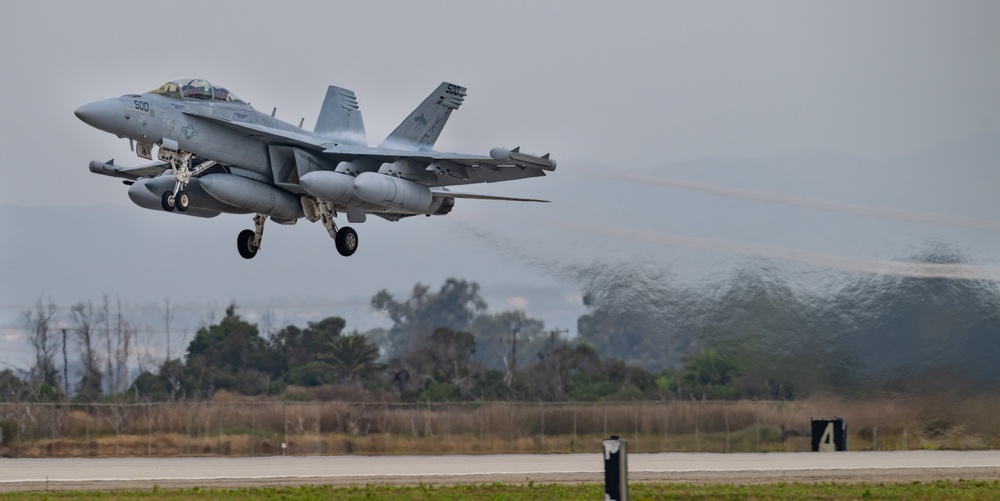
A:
106, 115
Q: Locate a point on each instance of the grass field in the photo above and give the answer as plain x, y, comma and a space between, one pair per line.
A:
962, 489
258, 428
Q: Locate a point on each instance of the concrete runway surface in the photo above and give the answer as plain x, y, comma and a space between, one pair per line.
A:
122, 473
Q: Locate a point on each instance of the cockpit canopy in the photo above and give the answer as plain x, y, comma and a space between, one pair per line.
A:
196, 88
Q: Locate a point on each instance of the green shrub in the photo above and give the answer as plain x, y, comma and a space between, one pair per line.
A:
440, 392
8, 432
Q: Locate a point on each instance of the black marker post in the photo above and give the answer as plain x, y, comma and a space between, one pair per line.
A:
616, 469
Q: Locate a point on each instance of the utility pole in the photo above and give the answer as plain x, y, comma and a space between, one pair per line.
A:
513, 362
553, 334
65, 366
508, 378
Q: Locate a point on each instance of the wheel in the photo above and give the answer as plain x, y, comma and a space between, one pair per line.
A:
182, 202
167, 201
243, 244
347, 241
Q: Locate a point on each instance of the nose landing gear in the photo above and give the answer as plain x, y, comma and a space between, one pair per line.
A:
180, 166
179, 202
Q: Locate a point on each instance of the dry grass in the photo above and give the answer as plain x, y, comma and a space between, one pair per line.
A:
239, 427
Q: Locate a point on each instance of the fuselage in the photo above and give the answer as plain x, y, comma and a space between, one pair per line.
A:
179, 116
218, 154
150, 119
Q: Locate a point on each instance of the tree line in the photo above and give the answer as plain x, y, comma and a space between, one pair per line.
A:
753, 334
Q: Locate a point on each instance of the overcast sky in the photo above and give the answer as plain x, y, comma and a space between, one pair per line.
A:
629, 84
609, 86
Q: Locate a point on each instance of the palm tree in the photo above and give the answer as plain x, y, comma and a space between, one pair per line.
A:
353, 357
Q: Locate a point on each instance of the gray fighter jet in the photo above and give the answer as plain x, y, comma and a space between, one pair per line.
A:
216, 154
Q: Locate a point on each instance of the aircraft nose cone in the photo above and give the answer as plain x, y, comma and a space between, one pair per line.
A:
106, 115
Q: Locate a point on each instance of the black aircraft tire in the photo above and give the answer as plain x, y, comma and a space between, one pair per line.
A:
167, 201
182, 202
243, 244
347, 241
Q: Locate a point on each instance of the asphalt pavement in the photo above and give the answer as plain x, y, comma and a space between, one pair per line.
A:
901, 466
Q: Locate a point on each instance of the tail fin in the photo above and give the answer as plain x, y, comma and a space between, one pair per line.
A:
340, 119
421, 129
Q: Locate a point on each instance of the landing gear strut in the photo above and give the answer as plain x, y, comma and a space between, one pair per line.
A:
180, 167
345, 238
248, 242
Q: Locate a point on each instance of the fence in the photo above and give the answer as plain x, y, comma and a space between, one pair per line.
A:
322, 428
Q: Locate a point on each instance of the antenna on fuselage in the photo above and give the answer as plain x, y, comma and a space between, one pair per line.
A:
302, 122
275, 110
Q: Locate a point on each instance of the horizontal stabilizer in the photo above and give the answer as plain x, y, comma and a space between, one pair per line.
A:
449, 194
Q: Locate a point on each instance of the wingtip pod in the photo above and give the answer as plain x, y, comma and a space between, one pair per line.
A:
551, 162
98, 167
516, 157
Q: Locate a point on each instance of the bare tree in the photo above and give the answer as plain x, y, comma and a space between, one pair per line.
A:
209, 318
145, 358
118, 335
172, 346
38, 323
109, 353
86, 321
266, 325
125, 334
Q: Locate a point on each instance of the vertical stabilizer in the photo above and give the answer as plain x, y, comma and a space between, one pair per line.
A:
421, 129
340, 119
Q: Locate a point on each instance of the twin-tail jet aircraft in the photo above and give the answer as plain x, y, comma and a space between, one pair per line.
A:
216, 154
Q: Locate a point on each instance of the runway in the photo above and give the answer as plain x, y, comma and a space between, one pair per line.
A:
119, 473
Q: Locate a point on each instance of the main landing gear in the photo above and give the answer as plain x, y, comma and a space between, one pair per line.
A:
346, 239
248, 242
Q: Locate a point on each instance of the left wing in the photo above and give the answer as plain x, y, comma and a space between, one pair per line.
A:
428, 167
499, 157
434, 168
109, 168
